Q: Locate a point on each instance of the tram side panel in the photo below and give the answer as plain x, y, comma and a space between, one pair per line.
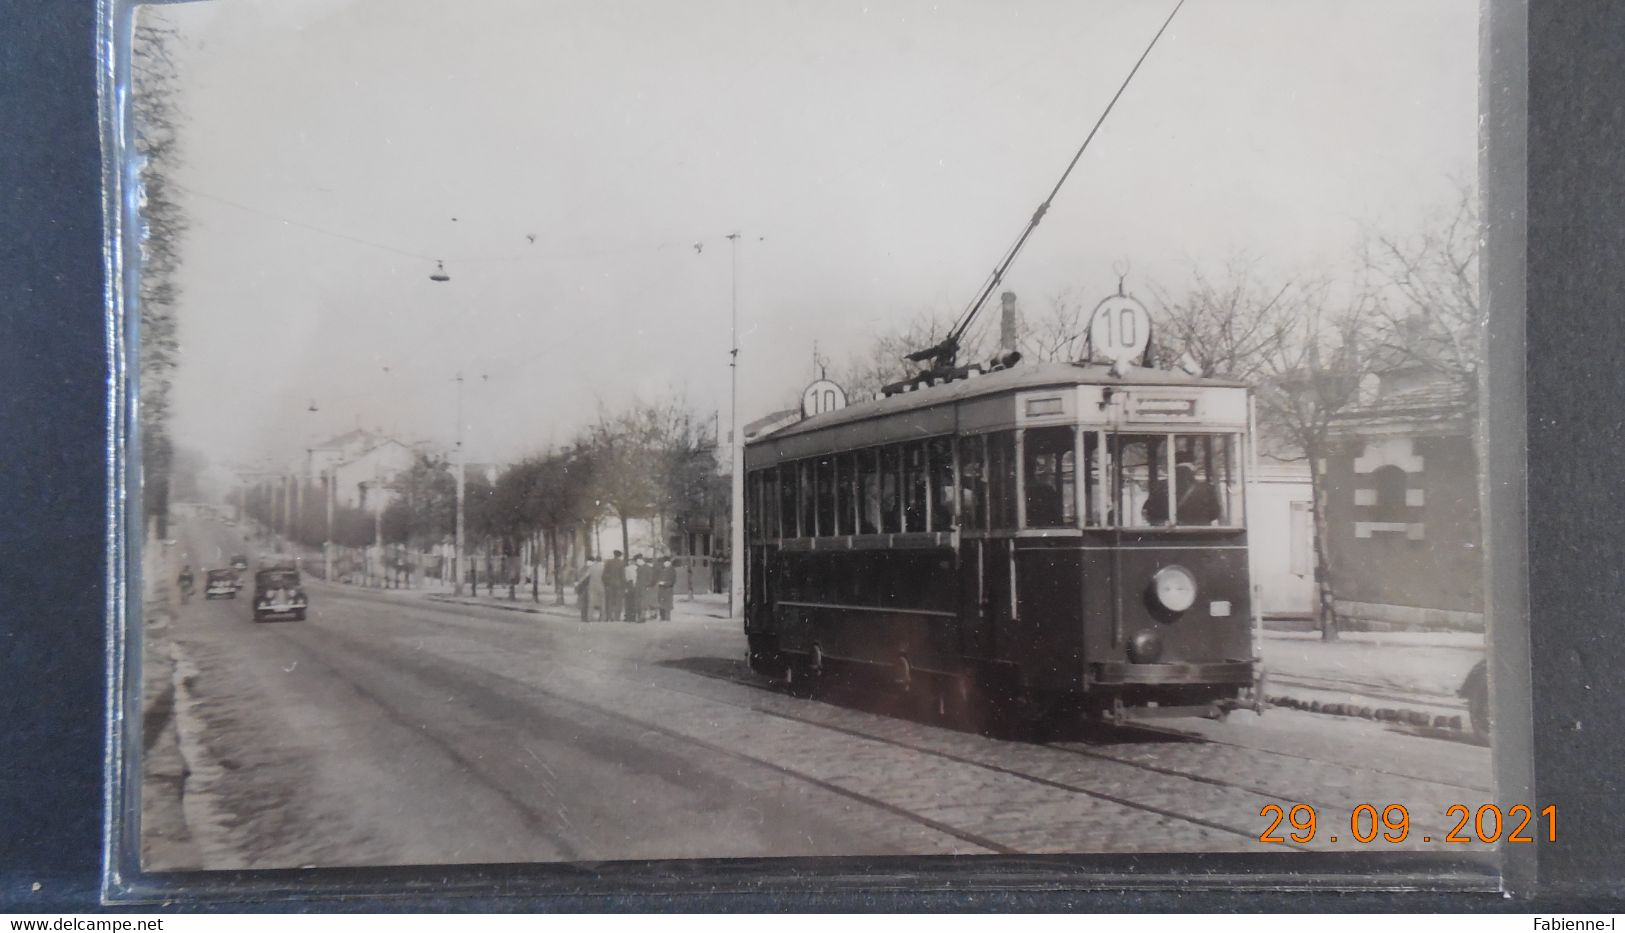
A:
1045, 638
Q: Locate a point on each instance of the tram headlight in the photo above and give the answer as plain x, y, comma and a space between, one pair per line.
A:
1145, 648
1174, 588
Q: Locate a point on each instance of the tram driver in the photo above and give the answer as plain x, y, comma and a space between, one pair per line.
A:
1195, 501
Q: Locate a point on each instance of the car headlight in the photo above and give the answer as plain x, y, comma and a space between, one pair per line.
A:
1174, 588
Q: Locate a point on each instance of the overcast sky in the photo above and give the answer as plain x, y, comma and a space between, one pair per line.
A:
878, 158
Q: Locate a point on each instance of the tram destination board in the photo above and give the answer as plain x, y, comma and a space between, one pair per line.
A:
654, 473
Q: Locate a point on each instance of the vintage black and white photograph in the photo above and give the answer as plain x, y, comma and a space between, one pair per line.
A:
583, 432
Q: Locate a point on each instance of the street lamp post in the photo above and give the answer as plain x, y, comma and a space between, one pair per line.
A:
736, 452
327, 543
457, 545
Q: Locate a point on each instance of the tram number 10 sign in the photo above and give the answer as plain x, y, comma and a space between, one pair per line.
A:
1120, 330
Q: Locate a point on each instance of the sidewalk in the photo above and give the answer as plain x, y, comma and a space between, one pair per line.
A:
1409, 677
703, 607
1406, 677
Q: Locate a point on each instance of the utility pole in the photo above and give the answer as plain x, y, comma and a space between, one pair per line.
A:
327, 543
736, 455
457, 545
378, 521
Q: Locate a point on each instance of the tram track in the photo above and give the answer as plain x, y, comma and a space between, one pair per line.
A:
476, 677
1246, 832
436, 674
1262, 794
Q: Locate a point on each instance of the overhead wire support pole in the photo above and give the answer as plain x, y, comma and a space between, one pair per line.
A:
736, 452
952, 341
457, 542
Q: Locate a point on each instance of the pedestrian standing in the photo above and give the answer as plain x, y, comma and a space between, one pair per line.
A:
634, 589
595, 588
665, 587
614, 587
641, 582
584, 589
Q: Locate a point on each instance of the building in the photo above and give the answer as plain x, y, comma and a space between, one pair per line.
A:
363, 479
1402, 513
1280, 514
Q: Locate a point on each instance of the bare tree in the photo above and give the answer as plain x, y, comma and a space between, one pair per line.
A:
1061, 333
1305, 348
155, 120
1430, 308
883, 361
1309, 379
631, 459
1230, 326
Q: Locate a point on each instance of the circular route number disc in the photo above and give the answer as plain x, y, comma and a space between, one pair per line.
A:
1120, 330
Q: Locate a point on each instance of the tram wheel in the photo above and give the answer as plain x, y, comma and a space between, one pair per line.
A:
800, 677
962, 703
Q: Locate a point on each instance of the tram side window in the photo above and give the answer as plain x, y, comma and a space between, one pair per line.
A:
787, 500
1050, 481
845, 507
753, 521
972, 484
1001, 479
891, 481
914, 489
868, 492
826, 496
808, 498
940, 468
770, 502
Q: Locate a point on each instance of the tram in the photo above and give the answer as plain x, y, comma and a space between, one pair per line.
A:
1051, 537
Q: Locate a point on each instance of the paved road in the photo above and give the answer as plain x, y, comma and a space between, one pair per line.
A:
388, 728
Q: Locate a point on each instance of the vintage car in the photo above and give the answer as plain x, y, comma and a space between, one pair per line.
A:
1476, 691
239, 561
279, 595
221, 584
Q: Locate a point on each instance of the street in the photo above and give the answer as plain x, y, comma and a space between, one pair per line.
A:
392, 727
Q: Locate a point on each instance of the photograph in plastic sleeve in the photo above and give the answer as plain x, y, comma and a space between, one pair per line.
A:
583, 432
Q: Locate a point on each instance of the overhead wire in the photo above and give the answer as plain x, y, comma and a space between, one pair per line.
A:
975, 306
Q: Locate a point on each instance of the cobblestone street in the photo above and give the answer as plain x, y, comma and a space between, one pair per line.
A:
395, 728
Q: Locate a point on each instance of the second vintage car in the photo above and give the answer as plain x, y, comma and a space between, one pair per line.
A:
279, 595
221, 584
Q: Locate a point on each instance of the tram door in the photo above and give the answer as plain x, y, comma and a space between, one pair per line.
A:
984, 595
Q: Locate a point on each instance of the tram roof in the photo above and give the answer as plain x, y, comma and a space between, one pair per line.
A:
1016, 378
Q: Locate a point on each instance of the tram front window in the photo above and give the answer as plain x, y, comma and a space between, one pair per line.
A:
1205, 488
1052, 500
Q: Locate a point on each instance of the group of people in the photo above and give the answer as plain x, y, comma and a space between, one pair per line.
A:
618, 589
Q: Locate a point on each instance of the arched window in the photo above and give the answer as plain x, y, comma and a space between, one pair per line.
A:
1390, 485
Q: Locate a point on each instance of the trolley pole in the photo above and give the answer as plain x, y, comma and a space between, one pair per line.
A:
736, 454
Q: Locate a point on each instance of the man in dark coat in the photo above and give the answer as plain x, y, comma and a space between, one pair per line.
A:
643, 582
1195, 501
614, 586
665, 587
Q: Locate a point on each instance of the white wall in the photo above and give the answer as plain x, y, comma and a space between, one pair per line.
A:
1281, 531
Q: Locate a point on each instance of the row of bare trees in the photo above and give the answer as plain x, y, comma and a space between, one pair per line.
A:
655, 463
1312, 346
155, 120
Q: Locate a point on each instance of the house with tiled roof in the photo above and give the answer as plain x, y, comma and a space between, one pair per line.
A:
1402, 510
